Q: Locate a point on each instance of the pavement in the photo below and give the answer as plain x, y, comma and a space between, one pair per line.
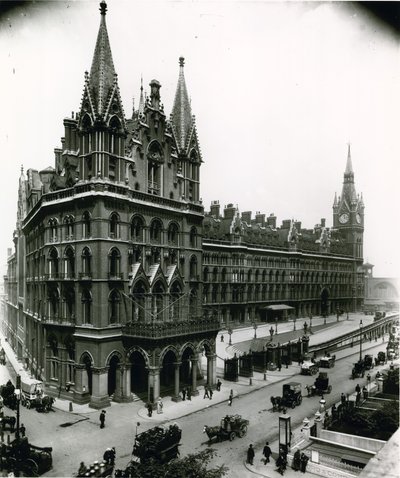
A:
174, 410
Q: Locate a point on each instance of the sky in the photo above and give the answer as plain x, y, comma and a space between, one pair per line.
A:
278, 90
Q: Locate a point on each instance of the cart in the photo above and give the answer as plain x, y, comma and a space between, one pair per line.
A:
231, 427
22, 456
368, 362
327, 362
358, 369
309, 368
159, 444
32, 392
291, 394
321, 385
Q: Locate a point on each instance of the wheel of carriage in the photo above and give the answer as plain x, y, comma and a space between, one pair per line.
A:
329, 388
243, 431
23, 401
31, 467
232, 436
28, 404
299, 400
293, 404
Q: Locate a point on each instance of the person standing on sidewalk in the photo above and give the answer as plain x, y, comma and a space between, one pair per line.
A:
230, 398
266, 452
303, 462
250, 455
183, 394
211, 393
149, 410
102, 418
219, 383
189, 393
296, 460
206, 395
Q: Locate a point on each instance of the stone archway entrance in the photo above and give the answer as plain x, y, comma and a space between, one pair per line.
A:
167, 372
325, 302
139, 374
112, 374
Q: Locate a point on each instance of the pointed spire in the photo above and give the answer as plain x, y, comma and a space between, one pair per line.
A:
141, 100
335, 201
102, 72
181, 112
349, 166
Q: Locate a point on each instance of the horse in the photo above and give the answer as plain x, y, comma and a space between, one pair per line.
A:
211, 432
276, 403
8, 421
311, 389
45, 404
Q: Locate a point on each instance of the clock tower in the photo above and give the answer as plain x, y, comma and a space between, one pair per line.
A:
348, 212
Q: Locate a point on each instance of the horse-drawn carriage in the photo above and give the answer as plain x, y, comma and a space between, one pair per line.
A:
159, 444
231, 426
2, 356
22, 456
380, 359
327, 362
309, 368
358, 369
8, 395
321, 385
33, 395
7, 422
291, 394
368, 362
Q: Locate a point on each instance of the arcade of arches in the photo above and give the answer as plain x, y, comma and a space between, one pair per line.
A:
137, 373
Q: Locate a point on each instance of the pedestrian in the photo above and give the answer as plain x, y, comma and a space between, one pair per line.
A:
334, 412
82, 469
343, 399
160, 405
365, 392
378, 375
303, 462
107, 456
230, 398
219, 383
189, 393
22, 430
211, 393
102, 418
206, 392
112, 456
149, 410
250, 455
368, 378
358, 398
296, 460
184, 394
279, 366
266, 452
358, 388
281, 462
222, 338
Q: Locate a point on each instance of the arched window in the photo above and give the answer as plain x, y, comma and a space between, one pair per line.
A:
173, 234
69, 303
158, 301
155, 231
53, 263
86, 306
54, 301
193, 237
139, 301
53, 226
69, 263
175, 303
69, 227
137, 229
86, 262
114, 225
86, 224
205, 274
114, 263
193, 268
114, 300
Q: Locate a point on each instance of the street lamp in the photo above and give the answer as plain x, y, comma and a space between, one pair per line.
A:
255, 329
361, 327
276, 324
322, 403
284, 432
17, 392
230, 332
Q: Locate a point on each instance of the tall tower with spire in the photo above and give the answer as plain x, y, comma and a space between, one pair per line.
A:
348, 212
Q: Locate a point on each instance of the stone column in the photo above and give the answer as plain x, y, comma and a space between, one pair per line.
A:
318, 423
194, 376
81, 395
211, 370
118, 383
99, 398
126, 383
177, 398
154, 384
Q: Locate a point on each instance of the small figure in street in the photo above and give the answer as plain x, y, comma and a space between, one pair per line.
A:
358, 388
189, 393
230, 398
365, 392
266, 452
211, 393
296, 460
184, 394
206, 395
102, 418
149, 410
378, 375
334, 412
82, 469
109, 456
222, 338
343, 399
22, 430
358, 399
160, 405
219, 383
279, 366
303, 462
250, 455
368, 378
281, 462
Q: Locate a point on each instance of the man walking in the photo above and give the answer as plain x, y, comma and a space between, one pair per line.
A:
250, 455
102, 418
230, 398
267, 453
211, 393
189, 393
184, 394
219, 383
206, 395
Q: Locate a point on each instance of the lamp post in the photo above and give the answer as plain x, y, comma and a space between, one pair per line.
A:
361, 327
276, 324
17, 392
284, 432
230, 331
255, 329
265, 362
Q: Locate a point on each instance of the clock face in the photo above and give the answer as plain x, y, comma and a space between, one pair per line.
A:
343, 218
358, 218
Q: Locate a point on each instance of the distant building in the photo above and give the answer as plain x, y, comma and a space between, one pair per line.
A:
119, 282
381, 293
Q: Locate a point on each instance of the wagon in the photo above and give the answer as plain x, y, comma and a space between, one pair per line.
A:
368, 362
32, 392
309, 368
159, 444
327, 362
291, 394
231, 426
22, 456
321, 384
358, 369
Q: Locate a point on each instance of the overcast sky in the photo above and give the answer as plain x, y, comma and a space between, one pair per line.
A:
278, 90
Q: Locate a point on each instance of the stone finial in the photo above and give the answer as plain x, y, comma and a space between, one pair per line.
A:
103, 7
181, 61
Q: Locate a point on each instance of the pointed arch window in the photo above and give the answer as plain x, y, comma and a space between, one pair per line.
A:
86, 225
86, 300
137, 229
173, 234
114, 225
114, 263
193, 268
193, 237
175, 308
69, 263
69, 227
114, 301
86, 262
53, 264
155, 231
69, 303
158, 301
139, 302
53, 299
53, 227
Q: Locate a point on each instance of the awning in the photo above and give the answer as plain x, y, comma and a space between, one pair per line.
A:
278, 307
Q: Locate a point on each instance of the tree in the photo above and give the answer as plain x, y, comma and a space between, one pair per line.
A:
191, 466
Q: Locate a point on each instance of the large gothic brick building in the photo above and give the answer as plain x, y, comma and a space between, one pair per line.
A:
120, 281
